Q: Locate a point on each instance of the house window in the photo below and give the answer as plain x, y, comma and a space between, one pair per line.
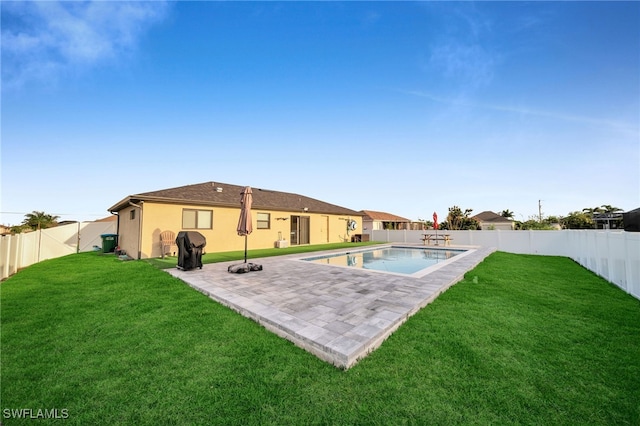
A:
197, 219
132, 214
264, 220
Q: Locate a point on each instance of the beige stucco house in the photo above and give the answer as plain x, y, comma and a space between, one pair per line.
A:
377, 221
279, 219
492, 221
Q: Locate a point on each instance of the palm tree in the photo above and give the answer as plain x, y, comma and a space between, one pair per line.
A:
458, 219
592, 211
507, 213
40, 220
608, 208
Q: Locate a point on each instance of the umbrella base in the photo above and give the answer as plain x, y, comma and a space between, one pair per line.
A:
244, 267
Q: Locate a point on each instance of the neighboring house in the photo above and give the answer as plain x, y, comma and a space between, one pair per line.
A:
489, 221
213, 209
64, 222
376, 221
632, 220
107, 219
612, 220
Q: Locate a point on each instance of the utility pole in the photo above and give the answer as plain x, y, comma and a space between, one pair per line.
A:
540, 210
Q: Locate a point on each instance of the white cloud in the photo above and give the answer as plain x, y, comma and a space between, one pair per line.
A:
461, 51
628, 128
40, 40
470, 64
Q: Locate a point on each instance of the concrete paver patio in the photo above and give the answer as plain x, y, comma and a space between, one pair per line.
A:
339, 314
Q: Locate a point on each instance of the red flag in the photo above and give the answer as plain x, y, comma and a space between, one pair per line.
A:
435, 220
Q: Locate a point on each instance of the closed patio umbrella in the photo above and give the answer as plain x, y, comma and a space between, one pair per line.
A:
435, 225
245, 227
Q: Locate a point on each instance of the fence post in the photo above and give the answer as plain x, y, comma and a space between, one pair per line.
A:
584, 244
17, 261
529, 237
39, 244
599, 255
610, 259
78, 240
7, 256
627, 268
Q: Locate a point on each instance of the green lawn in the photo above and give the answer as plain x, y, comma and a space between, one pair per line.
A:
171, 261
523, 340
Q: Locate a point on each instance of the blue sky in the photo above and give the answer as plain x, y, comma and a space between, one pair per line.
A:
402, 107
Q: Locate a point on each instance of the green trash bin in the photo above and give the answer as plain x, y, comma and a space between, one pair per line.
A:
109, 242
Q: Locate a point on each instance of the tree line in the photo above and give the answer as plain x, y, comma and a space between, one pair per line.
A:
458, 219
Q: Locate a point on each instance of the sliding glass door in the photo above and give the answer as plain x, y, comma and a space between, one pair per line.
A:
299, 230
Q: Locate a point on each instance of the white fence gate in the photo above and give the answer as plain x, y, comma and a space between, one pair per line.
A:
614, 255
21, 250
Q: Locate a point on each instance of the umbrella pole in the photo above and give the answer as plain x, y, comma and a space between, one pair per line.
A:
245, 249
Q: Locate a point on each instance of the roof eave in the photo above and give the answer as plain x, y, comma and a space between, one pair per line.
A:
166, 200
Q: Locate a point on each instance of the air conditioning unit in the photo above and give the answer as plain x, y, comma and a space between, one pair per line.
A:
282, 244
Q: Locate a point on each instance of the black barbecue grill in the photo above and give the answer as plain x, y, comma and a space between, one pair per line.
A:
190, 245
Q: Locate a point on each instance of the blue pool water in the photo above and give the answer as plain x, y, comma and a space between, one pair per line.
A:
400, 260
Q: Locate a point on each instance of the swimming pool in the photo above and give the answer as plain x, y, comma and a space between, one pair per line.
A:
413, 261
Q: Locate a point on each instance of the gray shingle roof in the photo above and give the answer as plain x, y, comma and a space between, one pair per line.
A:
227, 195
489, 216
375, 215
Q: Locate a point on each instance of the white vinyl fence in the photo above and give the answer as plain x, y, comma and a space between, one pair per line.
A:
614, 255
21, 250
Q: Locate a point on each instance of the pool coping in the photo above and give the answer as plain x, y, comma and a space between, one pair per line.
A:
339, 314
418, 274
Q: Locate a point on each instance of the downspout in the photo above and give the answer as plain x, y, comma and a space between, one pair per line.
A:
117, 214
117, 221
131, 203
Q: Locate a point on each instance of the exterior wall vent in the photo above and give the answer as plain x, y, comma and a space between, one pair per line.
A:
218, 189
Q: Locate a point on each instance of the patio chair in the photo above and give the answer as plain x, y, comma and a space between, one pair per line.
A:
167, 239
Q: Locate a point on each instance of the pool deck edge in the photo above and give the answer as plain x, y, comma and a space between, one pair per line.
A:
337, 314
